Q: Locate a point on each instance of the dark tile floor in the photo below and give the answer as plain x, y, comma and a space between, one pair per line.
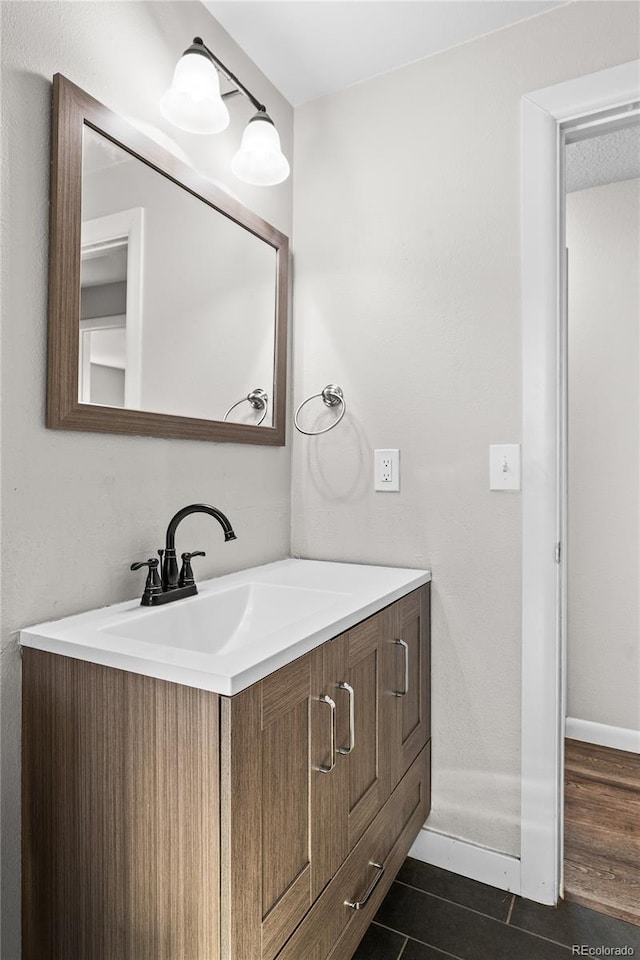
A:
431, 914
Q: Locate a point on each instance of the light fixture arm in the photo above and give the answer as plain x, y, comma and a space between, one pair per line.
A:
199, 46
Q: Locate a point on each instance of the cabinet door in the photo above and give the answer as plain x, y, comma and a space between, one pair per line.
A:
408, 648
281, 833
369, 775
330, 734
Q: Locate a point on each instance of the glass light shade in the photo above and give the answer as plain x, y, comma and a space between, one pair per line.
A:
193, 102
260, 160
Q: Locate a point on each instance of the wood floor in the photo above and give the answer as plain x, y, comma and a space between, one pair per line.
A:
602, 829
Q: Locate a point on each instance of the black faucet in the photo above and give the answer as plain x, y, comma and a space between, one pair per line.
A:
174, 585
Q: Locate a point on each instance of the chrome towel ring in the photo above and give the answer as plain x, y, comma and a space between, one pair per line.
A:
258, 400
332, 395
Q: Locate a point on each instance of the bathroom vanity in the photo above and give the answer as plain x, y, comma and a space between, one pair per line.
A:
248, 802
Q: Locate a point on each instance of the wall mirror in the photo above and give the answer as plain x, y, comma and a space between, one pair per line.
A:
167, 297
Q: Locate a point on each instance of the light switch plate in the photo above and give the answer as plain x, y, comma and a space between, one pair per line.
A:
386, 465
504, 466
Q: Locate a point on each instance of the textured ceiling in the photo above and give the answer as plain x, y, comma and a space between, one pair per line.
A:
309, 48
606, 159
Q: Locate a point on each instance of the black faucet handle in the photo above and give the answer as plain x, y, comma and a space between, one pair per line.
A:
152, 563
153, 586
186, 573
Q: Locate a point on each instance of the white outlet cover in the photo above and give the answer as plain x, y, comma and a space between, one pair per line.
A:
382, 459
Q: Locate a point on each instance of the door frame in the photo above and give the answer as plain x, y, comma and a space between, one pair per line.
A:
98, 234
545, 115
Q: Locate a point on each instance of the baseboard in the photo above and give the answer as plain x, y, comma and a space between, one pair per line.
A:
619, 738
467, 859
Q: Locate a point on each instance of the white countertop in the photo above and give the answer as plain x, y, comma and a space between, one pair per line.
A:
237, 630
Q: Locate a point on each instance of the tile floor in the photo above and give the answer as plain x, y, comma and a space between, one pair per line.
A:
431, 914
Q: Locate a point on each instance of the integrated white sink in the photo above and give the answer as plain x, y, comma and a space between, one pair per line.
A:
224, 620
239, 627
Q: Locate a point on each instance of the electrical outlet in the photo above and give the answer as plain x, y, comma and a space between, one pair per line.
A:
386, 470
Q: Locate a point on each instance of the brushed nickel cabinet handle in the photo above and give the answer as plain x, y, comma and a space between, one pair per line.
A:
343, 685
360, 904
323, 768
405, 647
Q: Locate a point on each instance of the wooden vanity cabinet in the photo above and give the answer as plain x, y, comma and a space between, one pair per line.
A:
167, 823
319, 747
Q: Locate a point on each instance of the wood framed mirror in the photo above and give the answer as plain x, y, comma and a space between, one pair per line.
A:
168, 298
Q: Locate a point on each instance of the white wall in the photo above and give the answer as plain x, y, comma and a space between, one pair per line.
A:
603, 237
78, 508
407, 293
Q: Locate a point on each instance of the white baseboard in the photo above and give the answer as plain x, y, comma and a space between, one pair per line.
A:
619, 738
467, 859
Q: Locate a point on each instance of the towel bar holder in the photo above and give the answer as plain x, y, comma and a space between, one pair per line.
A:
332, 396
258, 399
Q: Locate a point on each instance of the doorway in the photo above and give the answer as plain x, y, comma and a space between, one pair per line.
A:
546, 116
103, 323
602, 747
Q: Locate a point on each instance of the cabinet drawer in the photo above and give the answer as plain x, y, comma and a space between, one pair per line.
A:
332, 928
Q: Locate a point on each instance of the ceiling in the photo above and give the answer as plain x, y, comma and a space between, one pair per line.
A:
309, 48
608, 158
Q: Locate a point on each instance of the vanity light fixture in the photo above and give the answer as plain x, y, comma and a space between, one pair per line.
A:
194, 103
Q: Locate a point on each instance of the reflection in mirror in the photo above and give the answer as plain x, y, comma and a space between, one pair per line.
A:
177, 307
103, 317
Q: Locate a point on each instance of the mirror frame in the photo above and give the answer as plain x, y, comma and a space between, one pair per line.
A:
73, 108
